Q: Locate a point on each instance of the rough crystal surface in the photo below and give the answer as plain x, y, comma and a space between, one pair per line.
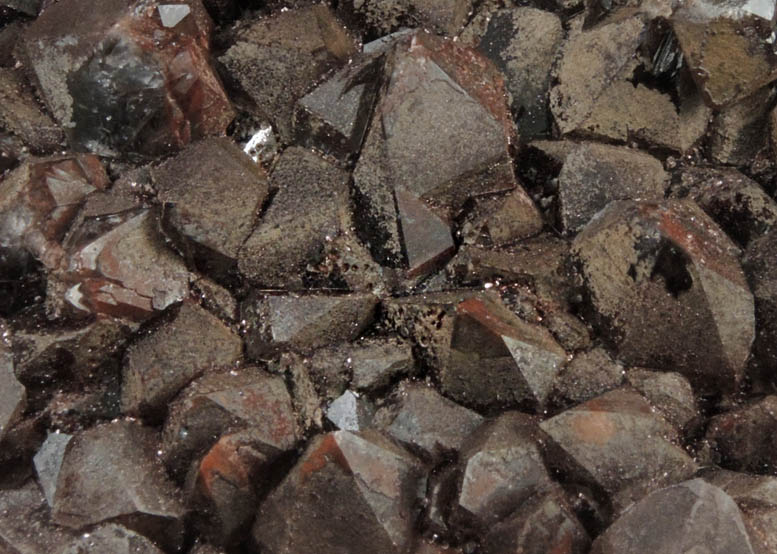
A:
187, 185
741, 439
427, 421
496, 359
440, 132
291, 322
500, 468
727, 47
112, 472
221, 403
275, 59
165, 361
666, 288
307, 211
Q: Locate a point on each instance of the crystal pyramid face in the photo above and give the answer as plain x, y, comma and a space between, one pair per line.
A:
434, 106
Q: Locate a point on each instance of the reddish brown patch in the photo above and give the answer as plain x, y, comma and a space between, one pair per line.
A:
198, 91
223, 461
618, 402
328, 451
197, 105
282, 430
695, 237
476, 74
55, 217
478, 310
563, 545
593, 427
93, 170
107, 297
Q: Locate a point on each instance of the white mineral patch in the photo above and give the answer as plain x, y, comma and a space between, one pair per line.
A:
259, 143
75, 297
172, 14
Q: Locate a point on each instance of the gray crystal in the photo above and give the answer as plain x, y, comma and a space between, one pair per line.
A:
284, 246
190, 183
523, 43
427, 421
427, 238
670, 393
48, 462
496, 359
13, 395
500, 468
352, 492
334, 116
589, 374
25, 525
227, 402
163, 362
290, 322
541, 525
172, 14
349, 412
375, 363
594, 175
742, 437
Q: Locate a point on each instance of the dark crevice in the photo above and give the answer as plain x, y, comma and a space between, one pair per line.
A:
672, 267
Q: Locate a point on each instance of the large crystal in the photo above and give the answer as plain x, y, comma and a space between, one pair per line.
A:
666, 289
275, 323
277, 58
439, 136
728, 46
112, 472
426, 421
523, 43
305, 213
681, 518
353, 492
122, 79
618, 443
118, 265
206, 184
165, 361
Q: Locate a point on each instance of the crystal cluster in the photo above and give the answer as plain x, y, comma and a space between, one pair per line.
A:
397, 276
